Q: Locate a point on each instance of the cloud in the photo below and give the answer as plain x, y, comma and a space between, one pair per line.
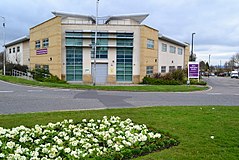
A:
215, 22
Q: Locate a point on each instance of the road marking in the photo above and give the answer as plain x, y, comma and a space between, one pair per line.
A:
62, 90
6, 91
214, 93
34, 90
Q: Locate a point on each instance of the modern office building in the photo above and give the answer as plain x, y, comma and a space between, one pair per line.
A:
18, 51
173, 54
127, 50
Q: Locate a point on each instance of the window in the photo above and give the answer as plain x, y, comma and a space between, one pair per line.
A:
163, 69
124, 64
45, 43
10, 50
164, 47
13, 50
180, 51
172, 49
18, 48
179, 67
37, 66
171, 68
149, 70
46, 67
150, 43
38, 44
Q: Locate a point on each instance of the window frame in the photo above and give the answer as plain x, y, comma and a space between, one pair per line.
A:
181, 51
149, 70
163, 69
172, 49
150, 43
45, 43
171, 68
164, 47
18, 48
37, 44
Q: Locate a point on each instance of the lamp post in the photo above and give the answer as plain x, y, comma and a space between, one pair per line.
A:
95, 45
4, 39
191, 57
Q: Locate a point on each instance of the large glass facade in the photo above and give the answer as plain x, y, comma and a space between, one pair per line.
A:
73, 64
102, 45
124, 64
124, 57
73, 56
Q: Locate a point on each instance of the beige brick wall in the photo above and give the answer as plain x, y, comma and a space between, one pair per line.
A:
50, 29
148, 56
186, 56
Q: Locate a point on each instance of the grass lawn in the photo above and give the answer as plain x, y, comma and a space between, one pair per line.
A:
143, 88
194, 127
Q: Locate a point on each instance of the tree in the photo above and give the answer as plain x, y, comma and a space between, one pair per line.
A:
202, 66
235, 59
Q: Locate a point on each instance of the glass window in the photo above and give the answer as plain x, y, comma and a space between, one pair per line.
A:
125, 42
46, 67
18, 48
10, 50
150, 43
164, 47
149, 70
74, 64
45, 43
37, 66
171, 68
125, 35
163, 69
124, 68
180, 51
13, 50
172, 49
179, 67
38, 44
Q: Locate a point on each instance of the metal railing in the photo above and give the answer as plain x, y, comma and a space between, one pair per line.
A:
21, 74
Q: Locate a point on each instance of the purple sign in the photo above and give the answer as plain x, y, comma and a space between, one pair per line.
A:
193, 70
41, 51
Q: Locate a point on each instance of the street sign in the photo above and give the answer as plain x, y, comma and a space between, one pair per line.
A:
193, 70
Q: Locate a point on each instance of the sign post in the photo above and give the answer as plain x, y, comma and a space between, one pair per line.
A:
193, 71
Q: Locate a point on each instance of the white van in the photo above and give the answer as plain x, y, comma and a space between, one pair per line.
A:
234, 74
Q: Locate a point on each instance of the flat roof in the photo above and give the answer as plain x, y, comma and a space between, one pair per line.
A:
172, 40
19, 40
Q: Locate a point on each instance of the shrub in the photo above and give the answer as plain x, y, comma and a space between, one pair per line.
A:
195, 82
178, 75
154, 81
44, 75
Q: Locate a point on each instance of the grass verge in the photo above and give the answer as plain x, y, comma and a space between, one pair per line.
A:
143, 88
209, 132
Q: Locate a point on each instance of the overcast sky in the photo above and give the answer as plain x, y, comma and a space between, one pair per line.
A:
215, 22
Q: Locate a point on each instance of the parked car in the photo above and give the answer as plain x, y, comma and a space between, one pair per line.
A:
234, 74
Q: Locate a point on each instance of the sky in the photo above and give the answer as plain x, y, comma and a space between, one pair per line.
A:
215, 22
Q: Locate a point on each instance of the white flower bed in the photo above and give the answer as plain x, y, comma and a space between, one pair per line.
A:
66, 140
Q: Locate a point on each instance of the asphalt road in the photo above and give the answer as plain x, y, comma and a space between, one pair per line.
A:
21, 99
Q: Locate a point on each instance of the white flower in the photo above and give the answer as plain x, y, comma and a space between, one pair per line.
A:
111, 130
10, 144
67, 150
2, 155
212, 137
109, 142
